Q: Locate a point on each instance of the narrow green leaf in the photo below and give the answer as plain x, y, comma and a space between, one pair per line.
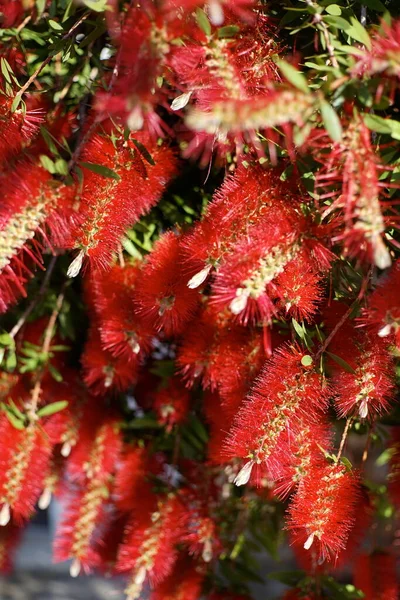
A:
6, 339
228, 31
47, 163
380, 125
55, 26
15, 422
16, 102
52, 408
11, 361
96, 5
4, 69
359, 33
341, 362
294, 76
298, 329
331, 121
203, 22
347, 463
144, 152
100, 170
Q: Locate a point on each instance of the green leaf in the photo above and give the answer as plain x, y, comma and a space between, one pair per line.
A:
331, 121
52, 408
341, 362
143, 151
380, 125
16, 102
334, 9
228, 31
203, 22
55, 26
14, 420
294, 76
47, 163
347, 463
11, 361
40, 6
298, 329
6, 69
56, 375
337, 22
100, 170
359, 33
6, 340
96, 5
61, 166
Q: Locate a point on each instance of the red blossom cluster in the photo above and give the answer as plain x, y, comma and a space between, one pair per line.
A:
216, 356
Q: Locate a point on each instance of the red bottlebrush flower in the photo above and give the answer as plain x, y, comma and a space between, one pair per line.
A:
11, 12
394, 474
322, 511
149, 549
376, 576
92, 463
131, 481
164, 299
382, 313
307, 447
171, 404
184, 583
284, 396
367, 391
202, 537
112, 295
215, 8
9, 538
240, 118
104, 372
211, 70
109, 205
350, 176
384, 56
30, 198
18, 128
24, 457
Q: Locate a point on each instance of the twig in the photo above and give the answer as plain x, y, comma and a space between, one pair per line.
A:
325, 31
35, 301
344, 437
367, 445
49, 58
24, 22
48, 336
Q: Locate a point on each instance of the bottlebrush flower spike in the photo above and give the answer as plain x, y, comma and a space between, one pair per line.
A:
149, 549
18, 128
30, 198
133, 477
184, 583
367, 391
215, 8
164, 299
322, 511
213, 69
110, 204
202, 537
307, 452
285, 394
113, 298
91, 465
24, 458
9, 538
171, 404
241, 119
382, 313
350, 175
375, 575
104, 372
384, 56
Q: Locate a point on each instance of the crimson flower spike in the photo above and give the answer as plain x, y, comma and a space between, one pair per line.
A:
215, 8
132, 181
350, 176
113, 299
376, 576
171, 404
382, 313
383, 57
184, 583
210, 69
367, 390
164, 300
91, 467
33, 217
322, 511
286, 393
149, 549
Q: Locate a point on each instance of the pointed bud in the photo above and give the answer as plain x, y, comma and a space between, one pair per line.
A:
75, 568
76, 265
66, 449
45, 499
239, 303
309, 541
181, 101
199, 278
140, 576
363, 410
244, 474
385, 331
382, 257
135, 120
5, 515
216, 12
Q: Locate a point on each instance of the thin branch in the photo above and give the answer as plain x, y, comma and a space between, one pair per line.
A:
344, 437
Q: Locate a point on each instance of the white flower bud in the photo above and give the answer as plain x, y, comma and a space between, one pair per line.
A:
75, 568
76, 265
45, 499
239, 303
244, 474
181, 101
5, 515
309, 541
199, 278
